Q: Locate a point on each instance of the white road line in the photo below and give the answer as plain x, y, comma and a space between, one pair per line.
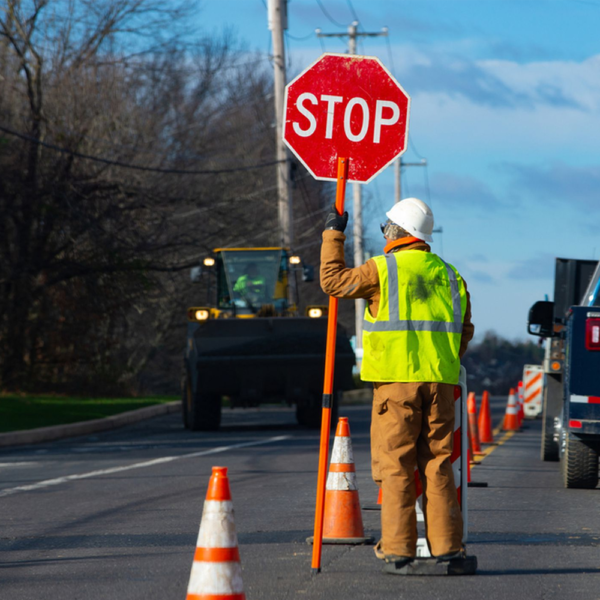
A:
18, 464
149, 463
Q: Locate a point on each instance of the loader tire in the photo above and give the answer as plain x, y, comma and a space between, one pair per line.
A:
203, 410
309, 413
549, 450
579, 463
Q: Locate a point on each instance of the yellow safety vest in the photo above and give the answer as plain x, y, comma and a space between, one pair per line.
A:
416, 334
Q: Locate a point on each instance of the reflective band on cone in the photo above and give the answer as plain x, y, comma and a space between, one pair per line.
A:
511, 417
342, 521
216, 570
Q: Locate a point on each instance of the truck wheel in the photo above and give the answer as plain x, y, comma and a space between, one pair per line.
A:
308, 413
549, 448
203, 410
579, 463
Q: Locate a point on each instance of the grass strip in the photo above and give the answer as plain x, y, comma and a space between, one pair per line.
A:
30, 412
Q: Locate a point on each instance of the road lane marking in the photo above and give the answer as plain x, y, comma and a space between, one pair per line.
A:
18, 464
149, 463
490, 449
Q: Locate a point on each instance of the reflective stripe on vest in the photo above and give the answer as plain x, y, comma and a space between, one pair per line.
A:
423, 345
397, 324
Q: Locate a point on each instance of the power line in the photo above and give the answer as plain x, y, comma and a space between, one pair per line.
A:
324, 11
117, 163
351, 7
390, 55
414, 149
299, 39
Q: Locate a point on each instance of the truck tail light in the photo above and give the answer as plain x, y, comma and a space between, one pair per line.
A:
575, 424
592, 334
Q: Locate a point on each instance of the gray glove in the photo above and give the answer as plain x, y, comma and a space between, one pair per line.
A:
336, 221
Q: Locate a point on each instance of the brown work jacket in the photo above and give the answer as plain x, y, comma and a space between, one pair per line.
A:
363, 281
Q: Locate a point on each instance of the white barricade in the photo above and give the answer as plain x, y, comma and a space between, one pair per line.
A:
533, 389
459, 464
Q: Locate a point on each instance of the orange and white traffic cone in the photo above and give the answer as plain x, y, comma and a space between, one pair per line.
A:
511, 417
484, 422
342, 521
216, 570
473, 433
521, 411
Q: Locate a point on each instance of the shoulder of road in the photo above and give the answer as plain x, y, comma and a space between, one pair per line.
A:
58, 432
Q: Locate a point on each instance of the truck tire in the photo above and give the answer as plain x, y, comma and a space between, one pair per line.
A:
579, 463
203, 410
308, 413
549, 448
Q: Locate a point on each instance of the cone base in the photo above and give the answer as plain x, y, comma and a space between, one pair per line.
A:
356, 541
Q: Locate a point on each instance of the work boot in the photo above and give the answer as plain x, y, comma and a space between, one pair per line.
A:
462, 554
397, 560
379, 553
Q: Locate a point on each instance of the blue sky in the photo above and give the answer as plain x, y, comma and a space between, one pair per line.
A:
505, 107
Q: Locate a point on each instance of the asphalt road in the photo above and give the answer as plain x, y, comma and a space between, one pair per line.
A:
116, 515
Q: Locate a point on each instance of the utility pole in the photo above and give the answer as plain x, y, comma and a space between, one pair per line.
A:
277, 12
398, 164
357, 227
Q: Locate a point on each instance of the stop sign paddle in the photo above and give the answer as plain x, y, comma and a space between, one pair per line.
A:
348, 106
346, 119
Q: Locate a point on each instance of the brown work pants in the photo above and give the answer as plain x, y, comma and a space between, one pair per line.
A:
413, 426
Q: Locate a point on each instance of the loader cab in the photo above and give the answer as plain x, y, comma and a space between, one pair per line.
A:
248, 280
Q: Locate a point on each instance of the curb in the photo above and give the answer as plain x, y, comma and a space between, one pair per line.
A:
58, 432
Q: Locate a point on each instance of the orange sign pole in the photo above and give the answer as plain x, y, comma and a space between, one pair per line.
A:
340, 194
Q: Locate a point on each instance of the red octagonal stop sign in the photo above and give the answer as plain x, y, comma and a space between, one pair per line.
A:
348, 106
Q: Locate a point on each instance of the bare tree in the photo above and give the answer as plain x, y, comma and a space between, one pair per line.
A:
121, 140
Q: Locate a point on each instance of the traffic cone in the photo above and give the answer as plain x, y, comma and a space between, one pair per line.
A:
484, 423
342, 521
216, 570
511, 417
521, 411
473, 433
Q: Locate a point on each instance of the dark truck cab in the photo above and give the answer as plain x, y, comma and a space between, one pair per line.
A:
571, 402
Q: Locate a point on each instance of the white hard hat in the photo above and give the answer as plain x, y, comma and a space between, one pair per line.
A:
414, 216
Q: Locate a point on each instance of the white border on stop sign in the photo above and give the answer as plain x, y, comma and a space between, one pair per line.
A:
352, 56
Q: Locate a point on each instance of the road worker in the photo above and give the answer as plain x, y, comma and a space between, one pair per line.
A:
251, 285
416, 327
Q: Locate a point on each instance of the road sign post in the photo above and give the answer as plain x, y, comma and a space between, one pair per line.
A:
346, 119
